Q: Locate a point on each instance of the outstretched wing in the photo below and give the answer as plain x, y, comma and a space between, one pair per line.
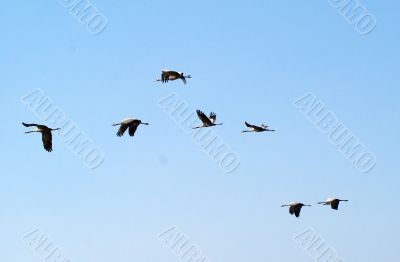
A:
297, 210
36, 125
291, 210
47, 140
183, 79
256, 128
213, 117
122, 129
203, 118
335, 204
164, 76
249, 125
133, 126
29, 125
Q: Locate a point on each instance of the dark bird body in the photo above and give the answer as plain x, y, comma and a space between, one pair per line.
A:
206, 121
333, 202
130, 123
295, 208
46, 135
168, 75
254, 128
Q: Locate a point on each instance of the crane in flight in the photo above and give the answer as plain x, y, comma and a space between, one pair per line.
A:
46, 134
333, 202
206, 121
295, 208
169, 75
254, 128
131, 123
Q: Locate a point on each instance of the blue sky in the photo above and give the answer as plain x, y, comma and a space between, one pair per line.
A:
249, 61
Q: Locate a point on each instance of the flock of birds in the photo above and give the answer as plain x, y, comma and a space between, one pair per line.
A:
295, 207
206, 121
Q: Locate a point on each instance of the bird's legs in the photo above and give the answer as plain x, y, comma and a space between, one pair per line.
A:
34, 131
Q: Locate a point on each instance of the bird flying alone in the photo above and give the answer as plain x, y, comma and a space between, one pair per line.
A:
46, 134
131, 123
168, 75
206, 121
333, 202
295, 208
254, 128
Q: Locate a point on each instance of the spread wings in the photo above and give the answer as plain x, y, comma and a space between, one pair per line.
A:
335, 204
169, 75
295, 210
47, 141
133, 126
256, 128
213, 117
204, 118
122, 129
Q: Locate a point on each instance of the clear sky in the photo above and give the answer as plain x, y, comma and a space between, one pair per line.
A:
249, 61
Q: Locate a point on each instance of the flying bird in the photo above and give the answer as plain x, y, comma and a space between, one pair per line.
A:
131, 123
333, 202
295, 208
168, 75
254, 128
206, 121
46, 134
